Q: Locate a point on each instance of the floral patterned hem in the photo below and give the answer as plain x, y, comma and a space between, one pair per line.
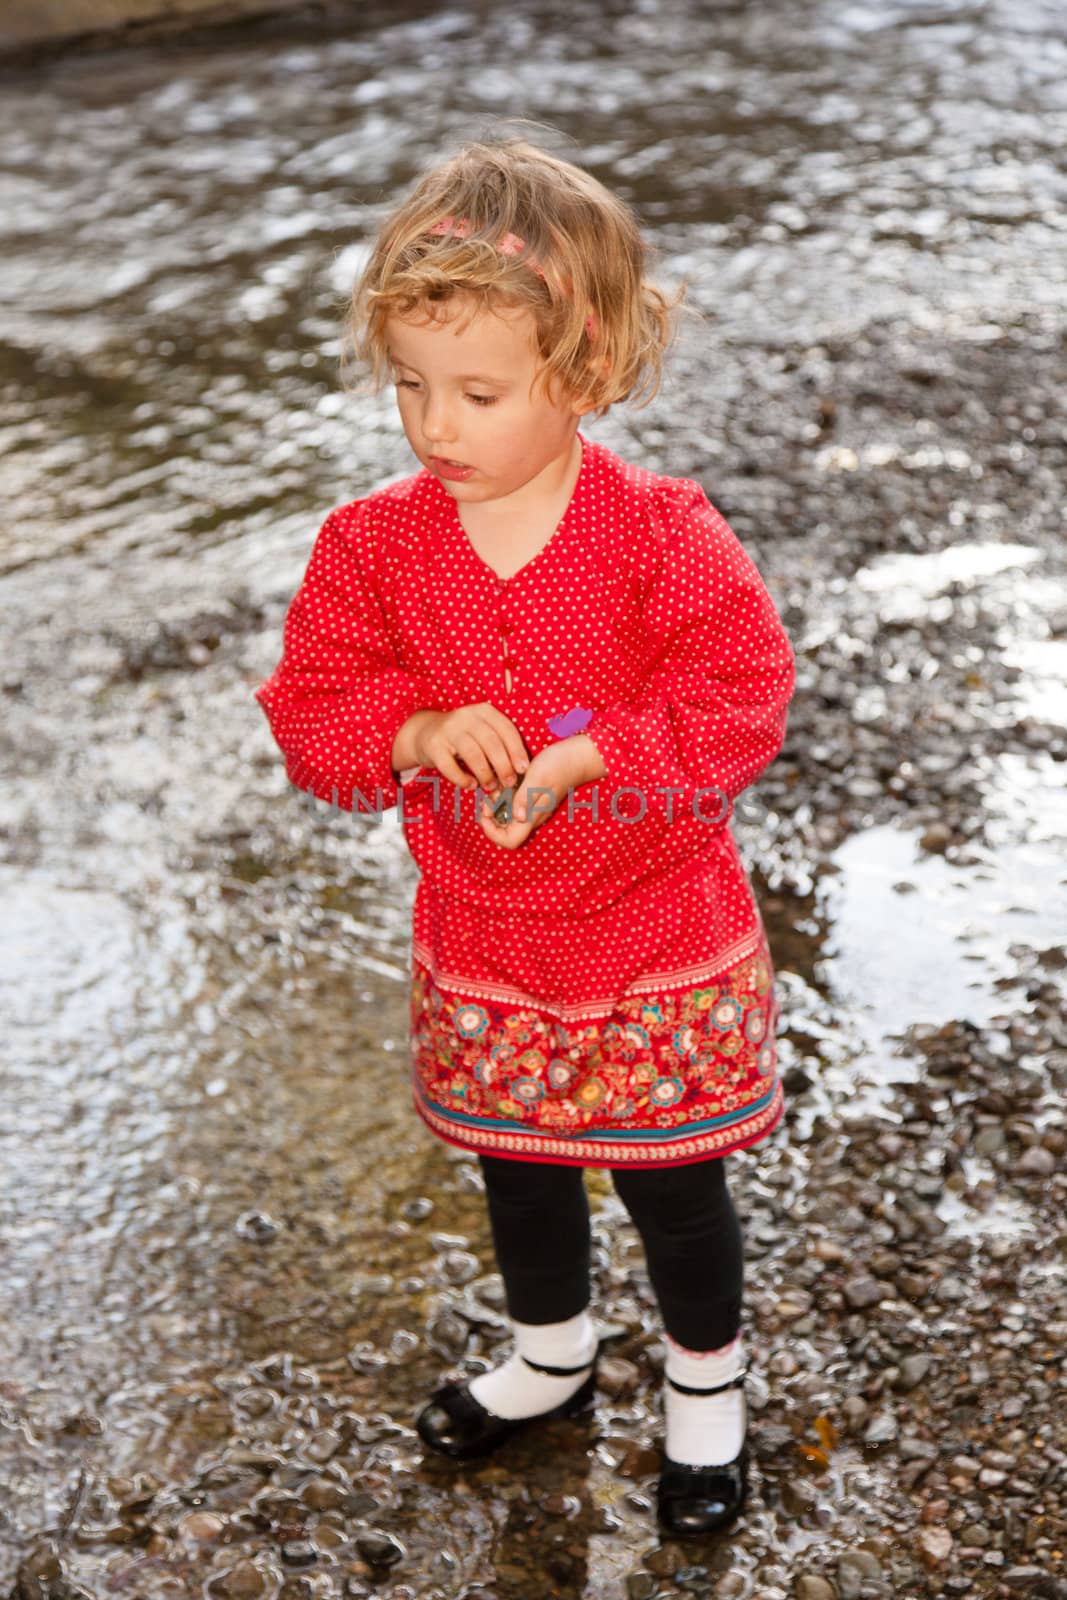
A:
666, 1077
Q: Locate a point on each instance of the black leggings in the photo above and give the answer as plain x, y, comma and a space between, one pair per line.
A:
539, 1214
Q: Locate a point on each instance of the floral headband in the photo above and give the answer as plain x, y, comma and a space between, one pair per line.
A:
509, 245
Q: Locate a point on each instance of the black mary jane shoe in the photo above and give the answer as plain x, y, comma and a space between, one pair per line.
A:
698, 1500
456, 1424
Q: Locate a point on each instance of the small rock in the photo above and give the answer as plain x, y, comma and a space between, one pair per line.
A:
1023, 1577
811, 1587
39, 1575
616, 1376
915, 1449
299, 1553
322, 1494
201, 1525
665, 1561
935, 1546
691, 1577
379, 1549
881, 1429
241, 1582
1037, 1162
321, 1446
257, 1226
864, 1291
987, 1141
460, 1266
854, 1409
795, 1303
913, 1370
403, 1346
731, 1586
448, 1335
861, 1564
799, 1496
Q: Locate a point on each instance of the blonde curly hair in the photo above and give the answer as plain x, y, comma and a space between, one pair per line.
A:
505, 222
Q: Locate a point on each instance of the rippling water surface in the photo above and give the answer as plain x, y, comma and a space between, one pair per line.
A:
206, 1132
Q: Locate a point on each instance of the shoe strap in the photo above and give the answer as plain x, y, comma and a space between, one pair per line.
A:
734, 1383
558, 1372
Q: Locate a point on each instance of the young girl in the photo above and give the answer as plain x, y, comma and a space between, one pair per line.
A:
563, 669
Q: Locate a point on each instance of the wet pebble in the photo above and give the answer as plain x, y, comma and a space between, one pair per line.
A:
323, 1494
912, 1370
881, 1429
441, 1243
372, 1283
799, 1496
257, 1226
403, 1346
864, 1291
459, 1266
379, 1549
1037, 1162
240, 1582
856, 1569
810, 1586
732, 1586
361, 1503
202, 1526
934, 1546
617, 1376
254, 1401
667, 1560
299, 1553
321, 1446
448, 1335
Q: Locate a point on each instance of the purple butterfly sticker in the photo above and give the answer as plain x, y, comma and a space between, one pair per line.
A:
568, 722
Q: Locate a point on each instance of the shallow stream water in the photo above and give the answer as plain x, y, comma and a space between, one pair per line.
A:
233, 1259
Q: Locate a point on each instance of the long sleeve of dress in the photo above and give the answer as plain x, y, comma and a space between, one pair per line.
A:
338, 695
712, 713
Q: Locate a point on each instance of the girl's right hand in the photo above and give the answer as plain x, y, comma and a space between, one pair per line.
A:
487, 743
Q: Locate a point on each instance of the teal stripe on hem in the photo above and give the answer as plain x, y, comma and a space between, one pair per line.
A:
606, 1135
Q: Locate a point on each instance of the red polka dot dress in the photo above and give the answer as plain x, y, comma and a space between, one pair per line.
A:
604, 995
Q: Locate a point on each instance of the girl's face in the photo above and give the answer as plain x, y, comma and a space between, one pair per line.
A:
465, 389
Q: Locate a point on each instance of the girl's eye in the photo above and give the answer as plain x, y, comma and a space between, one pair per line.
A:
483, 399
405, 383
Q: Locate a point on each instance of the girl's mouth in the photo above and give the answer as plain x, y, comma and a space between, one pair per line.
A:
455, 470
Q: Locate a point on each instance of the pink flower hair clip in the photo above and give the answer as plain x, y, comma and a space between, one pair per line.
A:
509, 244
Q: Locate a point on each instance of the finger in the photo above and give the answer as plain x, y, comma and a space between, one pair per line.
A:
447, 766
500, 756
511, 737
468, 745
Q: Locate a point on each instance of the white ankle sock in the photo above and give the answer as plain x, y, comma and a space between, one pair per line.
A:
704, 1430
516, 1390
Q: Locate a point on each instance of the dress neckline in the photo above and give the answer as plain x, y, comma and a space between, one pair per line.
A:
555, 538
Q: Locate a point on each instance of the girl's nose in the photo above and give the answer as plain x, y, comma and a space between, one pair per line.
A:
437, 421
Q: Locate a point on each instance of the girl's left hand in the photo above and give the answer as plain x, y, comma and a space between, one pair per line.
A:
557, 768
